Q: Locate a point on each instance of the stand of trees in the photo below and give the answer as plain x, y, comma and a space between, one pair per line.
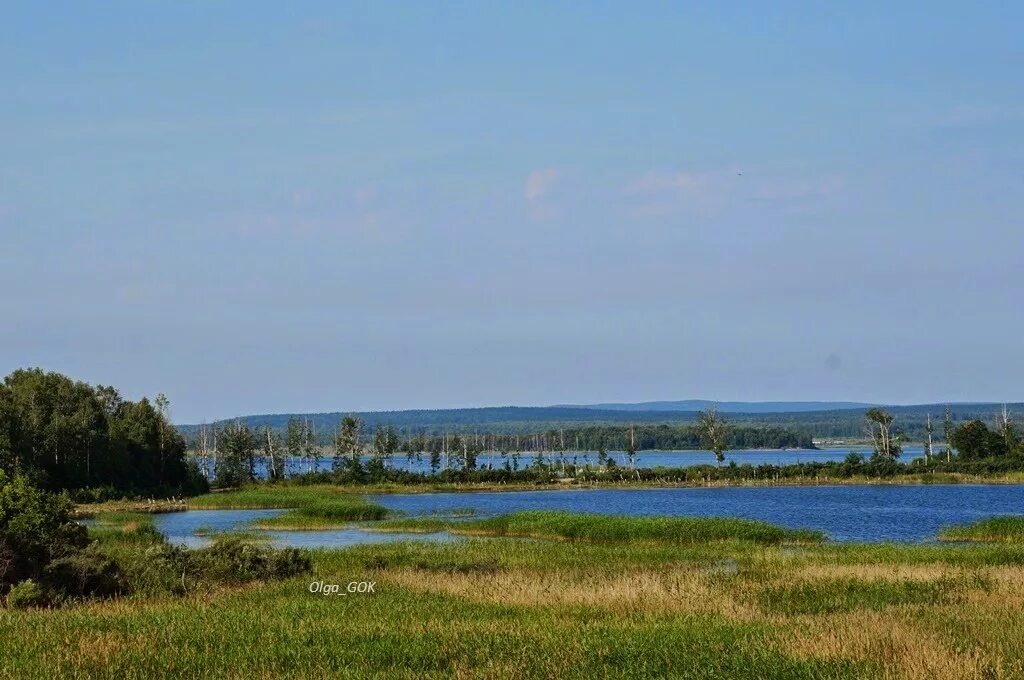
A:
70, 435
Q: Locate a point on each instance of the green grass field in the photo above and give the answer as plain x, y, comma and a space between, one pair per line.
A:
612, 597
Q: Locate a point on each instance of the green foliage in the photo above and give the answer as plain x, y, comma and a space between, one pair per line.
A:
85, 573
232, 560
70, 435
25, 595
236, 463
35, 528
973, 440
147, 564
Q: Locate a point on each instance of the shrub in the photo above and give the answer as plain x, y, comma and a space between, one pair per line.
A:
35, 527
86, 573
26, 594
234, 561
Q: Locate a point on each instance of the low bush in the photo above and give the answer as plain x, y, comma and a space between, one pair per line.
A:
231, 560
84, 574
25, 595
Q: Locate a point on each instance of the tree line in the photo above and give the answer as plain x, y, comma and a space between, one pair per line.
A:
66, 434
231, 454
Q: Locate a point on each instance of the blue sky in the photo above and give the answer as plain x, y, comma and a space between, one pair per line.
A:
335, 206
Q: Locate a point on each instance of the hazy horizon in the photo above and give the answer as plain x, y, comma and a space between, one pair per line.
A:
269, 209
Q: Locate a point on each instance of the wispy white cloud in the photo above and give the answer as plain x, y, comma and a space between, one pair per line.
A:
539, 183
784, 189
660, 192
662, 183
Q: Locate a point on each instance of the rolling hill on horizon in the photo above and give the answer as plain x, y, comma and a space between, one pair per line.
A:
727, 406
833, 419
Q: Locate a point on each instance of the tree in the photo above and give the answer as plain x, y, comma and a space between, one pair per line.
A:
163, 409
346, 443
947, 431
929, 429
385, 441
713, 433
294, 436
631, 448
310, 445
237, 464
1007, 430
972, 439
273, 453
886, 441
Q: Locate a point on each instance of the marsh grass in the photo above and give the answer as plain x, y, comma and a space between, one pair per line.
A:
309, 507
236, 535
124, 527
628, 603
613, 528
826, 596
1003, 529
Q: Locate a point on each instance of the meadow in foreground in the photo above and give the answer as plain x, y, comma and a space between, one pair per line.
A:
656, 604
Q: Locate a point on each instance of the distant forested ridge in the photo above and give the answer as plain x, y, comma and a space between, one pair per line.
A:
70, 435
838, 423
661, 437
749, 407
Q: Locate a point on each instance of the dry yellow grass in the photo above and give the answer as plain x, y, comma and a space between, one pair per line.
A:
670, 591
902, 640
903, 650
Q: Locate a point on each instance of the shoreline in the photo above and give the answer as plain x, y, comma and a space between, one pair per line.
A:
152, 506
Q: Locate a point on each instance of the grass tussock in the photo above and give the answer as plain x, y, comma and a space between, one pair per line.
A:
614, 528
1004, 529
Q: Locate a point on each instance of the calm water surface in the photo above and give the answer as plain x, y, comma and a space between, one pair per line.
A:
845, 513
180, 529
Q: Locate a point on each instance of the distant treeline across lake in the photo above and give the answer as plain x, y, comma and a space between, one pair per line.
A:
298, 465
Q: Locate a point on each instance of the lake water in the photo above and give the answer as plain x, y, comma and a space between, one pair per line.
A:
180, 528
844, 513
644, 459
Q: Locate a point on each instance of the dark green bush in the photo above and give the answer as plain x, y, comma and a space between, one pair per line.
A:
231, 560
35, 527
84, 574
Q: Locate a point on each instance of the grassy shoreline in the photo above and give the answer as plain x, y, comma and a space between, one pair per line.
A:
999, 529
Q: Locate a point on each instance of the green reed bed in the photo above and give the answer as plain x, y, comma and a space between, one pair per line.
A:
1003, 529
309, 507
613, 528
